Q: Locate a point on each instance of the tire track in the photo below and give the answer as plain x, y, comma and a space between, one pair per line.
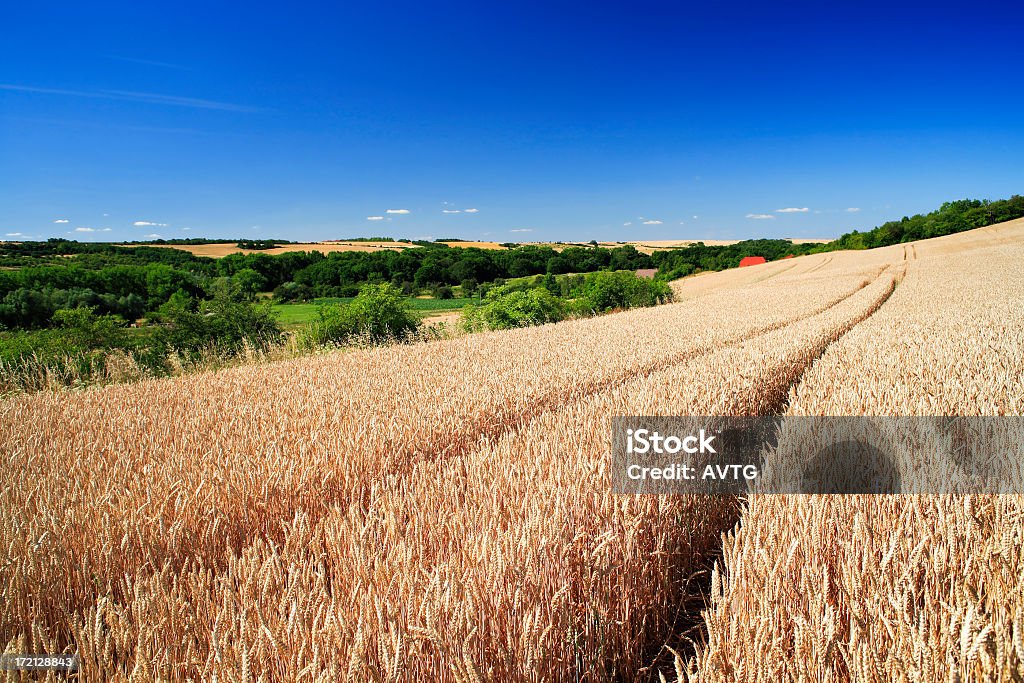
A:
496, 424
692, 626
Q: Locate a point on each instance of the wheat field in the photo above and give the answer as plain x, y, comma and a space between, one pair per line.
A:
443, 510
901, 588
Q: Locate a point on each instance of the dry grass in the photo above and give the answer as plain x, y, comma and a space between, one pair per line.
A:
442, 511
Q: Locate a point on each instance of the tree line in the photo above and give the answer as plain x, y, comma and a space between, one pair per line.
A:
950, 218
39, 278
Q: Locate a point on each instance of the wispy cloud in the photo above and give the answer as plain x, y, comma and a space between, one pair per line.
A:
627, 224
129, 96
759, 216
521, 230
105, 230
85, 230
398, 211
15, 234
143, 224
472, 210
854, 209
652, 222
153, 236
62, 220
793, 209
451, 210
375, 218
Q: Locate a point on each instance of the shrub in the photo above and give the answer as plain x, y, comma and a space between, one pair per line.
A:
378, 314
605, 291
223, 322
443, 292
292, 291
503, 309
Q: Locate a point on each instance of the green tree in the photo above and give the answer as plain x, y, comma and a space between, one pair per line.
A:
247, 283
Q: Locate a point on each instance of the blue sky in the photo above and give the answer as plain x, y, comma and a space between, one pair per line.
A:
552, 120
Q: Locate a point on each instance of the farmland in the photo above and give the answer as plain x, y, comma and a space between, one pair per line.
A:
220, 250
296, 314
337, 516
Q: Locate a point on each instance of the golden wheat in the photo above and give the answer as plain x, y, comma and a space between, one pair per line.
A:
921, 588
442, 511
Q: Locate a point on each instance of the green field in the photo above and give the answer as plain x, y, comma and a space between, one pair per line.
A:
293, 315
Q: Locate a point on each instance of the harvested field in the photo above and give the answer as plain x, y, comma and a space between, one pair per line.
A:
442, 511
221, 250
328, 246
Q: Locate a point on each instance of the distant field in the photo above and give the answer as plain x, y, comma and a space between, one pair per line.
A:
645, 246
293, 315
478, 245
221, 250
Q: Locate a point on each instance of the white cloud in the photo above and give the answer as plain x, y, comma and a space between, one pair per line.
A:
451, 211
472, 210
375, 218
522, 230
627, 223
144, 224
84, 230
15, 234
59, 220
695, 218
759, 216
105, 230
652, 222
854, 209
399, 211
792, 209
153, 236
186, 229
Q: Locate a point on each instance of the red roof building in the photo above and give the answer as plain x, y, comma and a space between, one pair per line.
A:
751, 261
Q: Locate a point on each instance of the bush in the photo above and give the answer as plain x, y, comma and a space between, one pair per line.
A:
292, 291
223, 323
443, 292
378, 314
605, 291
503, 309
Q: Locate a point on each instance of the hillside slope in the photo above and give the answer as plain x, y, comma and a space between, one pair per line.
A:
443, 510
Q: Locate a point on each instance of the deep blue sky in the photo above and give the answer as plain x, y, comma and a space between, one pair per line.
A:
555, 120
